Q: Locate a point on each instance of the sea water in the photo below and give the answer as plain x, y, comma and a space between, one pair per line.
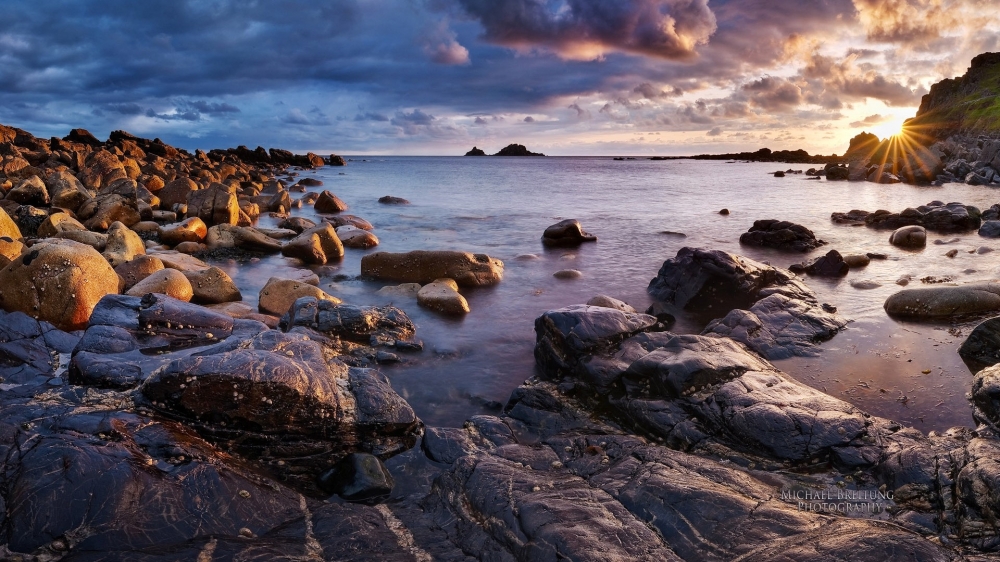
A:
642, 212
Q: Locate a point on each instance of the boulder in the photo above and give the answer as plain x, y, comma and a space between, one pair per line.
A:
278, 295
838, 173
390, 200
982, 347
349, 220
58, 222
100, 213
189, 230
567, 274
990, 229
176, 192
101, 169
782, 235
138, 269
243, 237
358, 477
297, 224
66, 190
122, 245
420, 266
367, 325
30, 191
212, 286
442, 296
329, 203
610, 302
830, 265
354, 237
59, 282
169, 282
567, 233
10, 250
8, 227
217, 204
857, 260
945, 301
316, 245
909, 237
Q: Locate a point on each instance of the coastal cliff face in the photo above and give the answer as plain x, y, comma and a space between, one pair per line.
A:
966, 105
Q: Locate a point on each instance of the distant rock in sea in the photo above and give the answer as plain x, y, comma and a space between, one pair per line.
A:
517, 150
475, 152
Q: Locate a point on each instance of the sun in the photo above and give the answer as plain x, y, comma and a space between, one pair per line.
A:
888, 128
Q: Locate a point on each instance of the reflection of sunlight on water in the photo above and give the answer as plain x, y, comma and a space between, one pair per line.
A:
469, 364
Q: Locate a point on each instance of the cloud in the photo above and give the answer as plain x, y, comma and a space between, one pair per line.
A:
846, 79
442, 47
210, 108
588, 29
773, 94
714, 132
123, 108
296, 117
480, 121
870, 120
581, 112
175, 116
529, 119
648, 91
909, 21
371, 116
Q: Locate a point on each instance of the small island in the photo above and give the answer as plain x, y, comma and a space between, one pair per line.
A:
509, 150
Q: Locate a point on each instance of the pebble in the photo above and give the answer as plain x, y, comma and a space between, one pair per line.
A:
568, 274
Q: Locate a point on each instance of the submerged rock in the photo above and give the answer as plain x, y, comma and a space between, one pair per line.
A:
909, 237
567, 233
782, 235
830, 265
442, 296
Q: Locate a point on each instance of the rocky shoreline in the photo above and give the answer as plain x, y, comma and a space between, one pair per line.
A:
146, 413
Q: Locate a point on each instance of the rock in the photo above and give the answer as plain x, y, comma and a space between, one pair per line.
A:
724, 212
779, 174
390, 200
945, 301
212, 286
95, 240
951, 253
189, 230
316, 245
838, 173
565, 336
190, 247
374, 326
297, 224
442, 295
420, 266
59, 222
855, 261
854, 217
137, 269
65, 190
935, 216
353, 237
243, 237
568, 274
122, 245
986, 397
609, 302
782, 235
990, 229
106, 210
8, 228
865, 284
59, 282
764, 307
215, 205
358, 477
829, 265
181, 262
10, 250
982, 347
176, 192
909, 237
567, 233
329, 203
168, 282
278, 295
349, 220
406, 290
101, 169
514, 149
475, 152
30, 191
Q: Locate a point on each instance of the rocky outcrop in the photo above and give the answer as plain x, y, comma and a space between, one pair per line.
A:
781, 235
567, 233
475, 152
516, 150
764, 307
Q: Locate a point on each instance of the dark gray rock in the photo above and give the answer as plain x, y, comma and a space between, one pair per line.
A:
982, 347
830, 265
990, 229
782, 235
564, 336
566, 233
369, 325
358, 477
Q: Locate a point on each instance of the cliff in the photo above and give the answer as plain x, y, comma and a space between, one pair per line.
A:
967, 105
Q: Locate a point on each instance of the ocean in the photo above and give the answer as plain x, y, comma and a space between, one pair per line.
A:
500, 206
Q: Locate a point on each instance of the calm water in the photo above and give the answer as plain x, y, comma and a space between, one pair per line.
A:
501, 206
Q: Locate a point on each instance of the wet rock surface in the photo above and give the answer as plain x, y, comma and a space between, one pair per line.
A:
782, 235
935, 216
567, 233
468, 270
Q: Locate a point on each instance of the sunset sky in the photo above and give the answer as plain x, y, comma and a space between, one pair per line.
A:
430, 77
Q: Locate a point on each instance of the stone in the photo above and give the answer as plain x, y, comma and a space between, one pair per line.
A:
215, 205
442, 296
855, 261
406, 290
169, 282
10, 250
212, 286
30, 191
137, 269
58, 222
349, 220
243, 237
104, 211
565, 336
278, 295
990, 229
297, 224
610, 302
96, 240
65, 190
189, 247
101, 169
420, 266
567, 233
782, 235
390, 200
354, 237
358, 477
366, 325
982, 348
830, 265
316, 245
180, 262
176, 192
189, 230
944, 301
59, 282
568, 274
909, 237
838, 173
8, 227
122, 245
329, 203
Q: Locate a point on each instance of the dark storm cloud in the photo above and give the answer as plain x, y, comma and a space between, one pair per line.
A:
584, 29
371, 116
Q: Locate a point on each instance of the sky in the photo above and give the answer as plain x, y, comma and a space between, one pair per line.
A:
435, 77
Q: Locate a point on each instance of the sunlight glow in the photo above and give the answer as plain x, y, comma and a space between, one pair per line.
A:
889, 128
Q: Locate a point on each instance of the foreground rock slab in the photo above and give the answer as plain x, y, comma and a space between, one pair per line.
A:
468, 270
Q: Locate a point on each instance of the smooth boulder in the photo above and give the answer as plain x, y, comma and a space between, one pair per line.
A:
420, 266
442, 296
567, 233
909, 237
168, 282
278, 295
945, 301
